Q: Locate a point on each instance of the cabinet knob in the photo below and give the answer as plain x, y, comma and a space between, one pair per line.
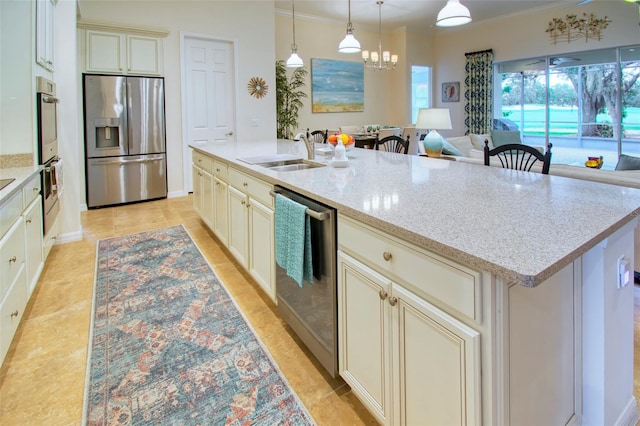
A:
12, 259
248, 205
28, 220
393, 301
386, 255
217, 170
14, 313
383, 294
245, 184
36, 189
243, 202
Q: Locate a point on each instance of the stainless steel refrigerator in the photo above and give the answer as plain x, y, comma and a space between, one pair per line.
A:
124, 139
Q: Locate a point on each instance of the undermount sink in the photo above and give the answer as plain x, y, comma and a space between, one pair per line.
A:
295, 166
5, 182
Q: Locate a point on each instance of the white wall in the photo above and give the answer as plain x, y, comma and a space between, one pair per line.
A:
387, 93
249, 23
521, 37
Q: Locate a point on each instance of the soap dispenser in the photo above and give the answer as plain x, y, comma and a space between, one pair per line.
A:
339, 156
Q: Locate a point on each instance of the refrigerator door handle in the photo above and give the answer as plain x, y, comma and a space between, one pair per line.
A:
124, 162
129, 117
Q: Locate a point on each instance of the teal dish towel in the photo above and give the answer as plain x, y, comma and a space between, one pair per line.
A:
293, 240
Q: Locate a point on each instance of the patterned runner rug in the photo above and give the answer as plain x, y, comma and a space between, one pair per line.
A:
170, 347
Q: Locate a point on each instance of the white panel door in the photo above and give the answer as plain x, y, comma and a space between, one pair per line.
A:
208, 102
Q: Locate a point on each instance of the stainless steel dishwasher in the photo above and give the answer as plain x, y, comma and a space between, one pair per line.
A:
311, 310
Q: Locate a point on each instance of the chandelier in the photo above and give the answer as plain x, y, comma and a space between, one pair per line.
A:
381, 59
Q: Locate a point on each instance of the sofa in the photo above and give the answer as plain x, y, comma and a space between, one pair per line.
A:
470, 149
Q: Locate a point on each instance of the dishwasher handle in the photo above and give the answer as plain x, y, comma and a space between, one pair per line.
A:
314, 214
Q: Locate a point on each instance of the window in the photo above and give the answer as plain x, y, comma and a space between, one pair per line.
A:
420, 89
586, 104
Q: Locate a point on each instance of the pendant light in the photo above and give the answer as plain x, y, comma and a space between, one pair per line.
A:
453, 14
349, 44
381, 59
294, 60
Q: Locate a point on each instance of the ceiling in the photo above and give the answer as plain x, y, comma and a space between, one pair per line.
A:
416, 15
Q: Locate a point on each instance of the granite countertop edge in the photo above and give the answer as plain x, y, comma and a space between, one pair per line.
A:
21, 175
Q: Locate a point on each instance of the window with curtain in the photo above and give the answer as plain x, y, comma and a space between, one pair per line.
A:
587, 104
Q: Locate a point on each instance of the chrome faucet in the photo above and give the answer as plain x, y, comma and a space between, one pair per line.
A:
308, 143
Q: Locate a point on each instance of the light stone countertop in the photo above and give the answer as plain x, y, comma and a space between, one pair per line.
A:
521, 226
21, 176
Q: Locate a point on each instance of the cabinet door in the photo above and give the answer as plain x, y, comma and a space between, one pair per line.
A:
11, 311
364, 335
197, 189
144, 55
261, 246
238, 225
221, 213
45, 10
104, 52
436, 364
207, 198
33, 243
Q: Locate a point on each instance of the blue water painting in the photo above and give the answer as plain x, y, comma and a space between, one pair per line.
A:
337, 86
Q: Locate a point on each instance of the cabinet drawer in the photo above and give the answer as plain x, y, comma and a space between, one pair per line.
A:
31, 190
221, 170
255, 188
202, 161
11, 256
10, 211
431, 276
11, 311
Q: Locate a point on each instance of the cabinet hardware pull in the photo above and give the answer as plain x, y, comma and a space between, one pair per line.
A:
36, 189
217, 170
248, 205
245, 184
393, 301
13, 259
386, 255
14, 313
28, 220
243, 202
383, 294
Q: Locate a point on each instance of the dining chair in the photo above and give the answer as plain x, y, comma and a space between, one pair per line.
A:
349, 130
393, 143
318, 136
391, 131
518, 156
410, 132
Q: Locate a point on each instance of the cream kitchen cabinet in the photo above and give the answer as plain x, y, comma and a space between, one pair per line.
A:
203, 192
122, 53
221, 201
45, 18
251, 227
21, 255
408, 361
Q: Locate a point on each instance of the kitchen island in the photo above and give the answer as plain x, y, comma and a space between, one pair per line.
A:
519, 271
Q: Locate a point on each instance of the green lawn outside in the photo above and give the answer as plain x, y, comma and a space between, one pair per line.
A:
563, 120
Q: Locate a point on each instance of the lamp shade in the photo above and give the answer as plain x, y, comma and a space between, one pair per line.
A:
453, 14
294, 61
349, 44
433, 118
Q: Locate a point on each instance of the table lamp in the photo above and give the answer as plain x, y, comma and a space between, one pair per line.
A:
433, 119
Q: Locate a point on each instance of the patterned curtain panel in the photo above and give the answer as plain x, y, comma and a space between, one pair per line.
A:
478, 92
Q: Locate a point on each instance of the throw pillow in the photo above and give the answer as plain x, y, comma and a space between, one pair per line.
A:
504, 137
462, 144
449, 149
628, 162
478, 140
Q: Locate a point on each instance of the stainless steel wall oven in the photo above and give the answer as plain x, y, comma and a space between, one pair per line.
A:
47, 120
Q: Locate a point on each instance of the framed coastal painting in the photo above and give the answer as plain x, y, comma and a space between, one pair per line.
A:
337, 86
451, 92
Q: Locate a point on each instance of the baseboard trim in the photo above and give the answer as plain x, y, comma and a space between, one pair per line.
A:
68, 237
630, 415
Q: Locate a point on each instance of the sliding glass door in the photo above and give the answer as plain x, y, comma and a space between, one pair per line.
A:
586, 104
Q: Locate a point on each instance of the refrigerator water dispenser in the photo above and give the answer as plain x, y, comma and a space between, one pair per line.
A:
107, 131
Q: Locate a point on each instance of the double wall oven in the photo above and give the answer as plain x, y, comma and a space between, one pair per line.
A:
48, 149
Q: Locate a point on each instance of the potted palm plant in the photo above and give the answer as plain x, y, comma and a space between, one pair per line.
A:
288, 98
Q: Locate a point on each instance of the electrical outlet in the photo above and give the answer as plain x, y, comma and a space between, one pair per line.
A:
624, 272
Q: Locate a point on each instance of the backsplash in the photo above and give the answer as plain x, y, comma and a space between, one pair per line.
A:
16, 160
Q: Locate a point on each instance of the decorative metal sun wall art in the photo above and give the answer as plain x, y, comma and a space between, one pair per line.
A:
572, 28
257, 87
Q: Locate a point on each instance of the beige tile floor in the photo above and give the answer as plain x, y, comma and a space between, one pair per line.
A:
42, 378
